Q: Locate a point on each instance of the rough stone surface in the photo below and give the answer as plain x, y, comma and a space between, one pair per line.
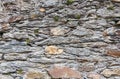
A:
53, 50
5, 77
33, 75
111, 72
64, 72
82, 35
15, 56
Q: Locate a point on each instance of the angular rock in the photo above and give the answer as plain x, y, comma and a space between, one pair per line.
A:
113, 52
53, 50
64, 72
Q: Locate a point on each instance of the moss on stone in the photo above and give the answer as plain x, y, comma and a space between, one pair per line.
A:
69, 2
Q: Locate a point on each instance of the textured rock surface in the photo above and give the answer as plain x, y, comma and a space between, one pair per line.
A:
76, 36
64, 72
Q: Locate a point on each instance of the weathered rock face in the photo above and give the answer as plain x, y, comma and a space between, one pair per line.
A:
45, 39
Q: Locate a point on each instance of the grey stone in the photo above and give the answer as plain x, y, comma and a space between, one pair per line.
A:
37, 54
6, 69
16, 49
96, 37
5, 77
91, 11
44, 60
92, 24
81, 32
15, 42
1, 9
7, 35
60, 40
16, 35
20, 35
110, 31
102, 22
49, 3
72, 23
95, 44
104, 12
78, 51
59, 30
12, 66
15, 56
1, 56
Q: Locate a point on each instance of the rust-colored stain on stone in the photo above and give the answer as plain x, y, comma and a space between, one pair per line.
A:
15, 18
64, 72
113, 53
33, 75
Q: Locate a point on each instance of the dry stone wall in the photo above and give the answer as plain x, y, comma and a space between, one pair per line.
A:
66, 39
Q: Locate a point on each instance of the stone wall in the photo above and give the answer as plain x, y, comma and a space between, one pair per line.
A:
47, 39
